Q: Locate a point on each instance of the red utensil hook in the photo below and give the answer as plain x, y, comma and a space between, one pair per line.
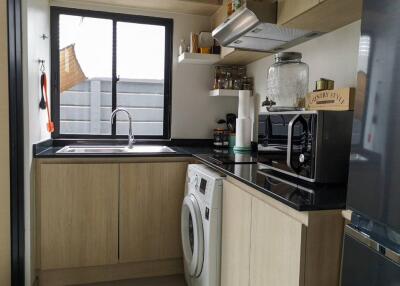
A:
43, 82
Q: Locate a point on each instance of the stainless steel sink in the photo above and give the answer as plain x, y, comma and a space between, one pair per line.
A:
136, 149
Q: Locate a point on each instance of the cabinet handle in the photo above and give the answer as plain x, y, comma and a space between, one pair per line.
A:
372, 244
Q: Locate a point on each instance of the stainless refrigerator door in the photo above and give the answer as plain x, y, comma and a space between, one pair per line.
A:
363, 266
374, 176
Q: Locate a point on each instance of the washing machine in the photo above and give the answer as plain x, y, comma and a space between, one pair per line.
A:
201, 226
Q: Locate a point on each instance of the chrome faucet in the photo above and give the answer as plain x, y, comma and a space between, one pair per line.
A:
131, 137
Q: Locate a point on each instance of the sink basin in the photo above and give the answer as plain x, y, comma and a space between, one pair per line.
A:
136, 149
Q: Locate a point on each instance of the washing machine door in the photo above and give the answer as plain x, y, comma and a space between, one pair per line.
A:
192, 236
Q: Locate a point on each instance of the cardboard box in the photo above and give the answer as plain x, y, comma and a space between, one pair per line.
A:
338, 99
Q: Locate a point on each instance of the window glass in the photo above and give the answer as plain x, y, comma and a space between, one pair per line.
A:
108, 61
140, 69
86, 46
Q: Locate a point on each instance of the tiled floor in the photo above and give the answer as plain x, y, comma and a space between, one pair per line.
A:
177, 280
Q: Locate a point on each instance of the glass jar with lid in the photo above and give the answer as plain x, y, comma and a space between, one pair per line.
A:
287, 82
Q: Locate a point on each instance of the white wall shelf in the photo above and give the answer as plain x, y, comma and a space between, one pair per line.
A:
226, 92
198, 59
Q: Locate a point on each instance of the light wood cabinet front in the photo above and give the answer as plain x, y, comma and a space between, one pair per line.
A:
289, 9
318, 15
78, 215
277, 247
236, 224
151, 196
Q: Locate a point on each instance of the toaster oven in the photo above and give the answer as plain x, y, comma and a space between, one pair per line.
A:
311, 145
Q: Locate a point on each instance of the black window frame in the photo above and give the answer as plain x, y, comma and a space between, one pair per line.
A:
55, 13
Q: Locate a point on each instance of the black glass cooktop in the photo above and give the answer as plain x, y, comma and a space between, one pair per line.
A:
223, 159
228, 156
292, 191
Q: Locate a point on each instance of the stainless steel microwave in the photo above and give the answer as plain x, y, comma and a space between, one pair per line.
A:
310, 145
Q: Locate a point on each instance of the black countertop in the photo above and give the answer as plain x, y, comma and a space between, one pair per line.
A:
293, 192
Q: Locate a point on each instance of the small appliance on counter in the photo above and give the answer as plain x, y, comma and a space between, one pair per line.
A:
287, 83
225, 137
221, 137
311, 145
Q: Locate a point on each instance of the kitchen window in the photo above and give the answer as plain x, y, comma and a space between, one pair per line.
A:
102, 61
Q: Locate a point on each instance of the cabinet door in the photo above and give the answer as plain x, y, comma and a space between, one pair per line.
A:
78, 217
277, 247
236, 222
289, 9
151, 196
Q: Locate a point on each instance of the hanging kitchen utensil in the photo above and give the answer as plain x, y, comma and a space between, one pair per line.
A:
43, 85
42, 103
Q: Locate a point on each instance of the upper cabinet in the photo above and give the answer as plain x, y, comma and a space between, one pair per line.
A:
289, 9
318, 15
310, 15
232, 56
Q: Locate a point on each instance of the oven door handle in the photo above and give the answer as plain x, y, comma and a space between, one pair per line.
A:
289, 141
292, 122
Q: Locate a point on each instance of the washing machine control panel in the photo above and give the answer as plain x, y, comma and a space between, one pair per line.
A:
199, 183
205, 185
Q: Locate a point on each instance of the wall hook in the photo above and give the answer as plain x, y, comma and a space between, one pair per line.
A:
42, 67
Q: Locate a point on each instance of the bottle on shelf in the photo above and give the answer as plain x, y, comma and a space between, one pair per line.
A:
182, 47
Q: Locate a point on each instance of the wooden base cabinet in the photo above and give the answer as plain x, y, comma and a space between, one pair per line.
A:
78, 215
277, 247
101, 219
236, 223
266, 243
151, 196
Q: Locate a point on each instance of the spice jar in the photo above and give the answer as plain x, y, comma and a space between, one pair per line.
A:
229, 6
182, 47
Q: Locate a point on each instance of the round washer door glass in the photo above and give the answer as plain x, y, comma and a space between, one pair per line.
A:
192, 236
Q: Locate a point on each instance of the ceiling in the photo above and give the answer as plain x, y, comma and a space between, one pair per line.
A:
196, 7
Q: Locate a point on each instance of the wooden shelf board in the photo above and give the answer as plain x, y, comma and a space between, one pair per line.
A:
199, 59
241, 57
224, 92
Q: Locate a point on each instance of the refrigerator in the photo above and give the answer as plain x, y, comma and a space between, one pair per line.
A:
371, 251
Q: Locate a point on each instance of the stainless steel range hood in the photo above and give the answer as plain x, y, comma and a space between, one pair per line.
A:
253, 27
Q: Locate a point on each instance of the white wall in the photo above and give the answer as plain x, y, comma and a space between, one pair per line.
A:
332, 56
194, 113
35, 22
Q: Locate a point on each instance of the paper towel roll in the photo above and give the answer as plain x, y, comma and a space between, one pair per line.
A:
243, 170
243, 133
244, 104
